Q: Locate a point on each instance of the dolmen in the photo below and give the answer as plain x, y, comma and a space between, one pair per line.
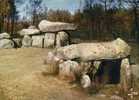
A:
49, 34
86, 60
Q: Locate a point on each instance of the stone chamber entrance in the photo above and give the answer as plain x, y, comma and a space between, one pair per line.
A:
108, 72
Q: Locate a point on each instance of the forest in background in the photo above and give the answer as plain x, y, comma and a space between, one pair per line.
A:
96, 19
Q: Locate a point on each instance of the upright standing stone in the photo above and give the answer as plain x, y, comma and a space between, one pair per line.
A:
61, 39
49, 40
27, 41
69, 69
37, 41
125, 72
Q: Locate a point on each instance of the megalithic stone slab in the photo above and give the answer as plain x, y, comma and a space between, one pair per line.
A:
48, 26
95, 51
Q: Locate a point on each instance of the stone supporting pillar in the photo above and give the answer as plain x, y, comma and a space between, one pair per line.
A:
125, 73
69, 37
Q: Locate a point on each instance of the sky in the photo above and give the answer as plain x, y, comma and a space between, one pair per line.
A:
71, 5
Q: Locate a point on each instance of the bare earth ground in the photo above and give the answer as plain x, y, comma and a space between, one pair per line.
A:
21, 78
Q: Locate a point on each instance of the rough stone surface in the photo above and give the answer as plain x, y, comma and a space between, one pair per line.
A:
85, 81
27, 41
96, 51
18, 42
29, 32
4, 36
49, 40
62, 39
6, 44
68, 69
37, 41
47, 26
50, 58
68, 52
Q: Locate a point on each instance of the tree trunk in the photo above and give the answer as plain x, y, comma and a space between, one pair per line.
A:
12, 24
0, 23
136, 30
8, 23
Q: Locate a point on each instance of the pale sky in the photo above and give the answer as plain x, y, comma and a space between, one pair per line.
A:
71, 5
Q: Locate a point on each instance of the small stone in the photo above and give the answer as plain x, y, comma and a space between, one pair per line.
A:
85, 81
68, 69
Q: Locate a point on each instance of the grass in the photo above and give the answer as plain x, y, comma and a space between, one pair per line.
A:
21, 78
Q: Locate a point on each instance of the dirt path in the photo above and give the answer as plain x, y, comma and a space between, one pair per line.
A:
21, 78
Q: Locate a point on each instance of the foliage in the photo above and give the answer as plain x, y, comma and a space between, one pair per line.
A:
96, 20
59, 15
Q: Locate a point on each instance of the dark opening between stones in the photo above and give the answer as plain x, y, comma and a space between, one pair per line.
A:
109, 72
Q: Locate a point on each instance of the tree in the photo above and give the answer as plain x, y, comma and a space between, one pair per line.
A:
35, 10
4, 11
8, 14
59, 15
12, 14
134, 4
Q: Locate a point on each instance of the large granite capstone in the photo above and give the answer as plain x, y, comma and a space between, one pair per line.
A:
95, 51
48, 26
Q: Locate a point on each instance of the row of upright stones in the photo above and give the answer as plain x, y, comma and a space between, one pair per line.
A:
49, 34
